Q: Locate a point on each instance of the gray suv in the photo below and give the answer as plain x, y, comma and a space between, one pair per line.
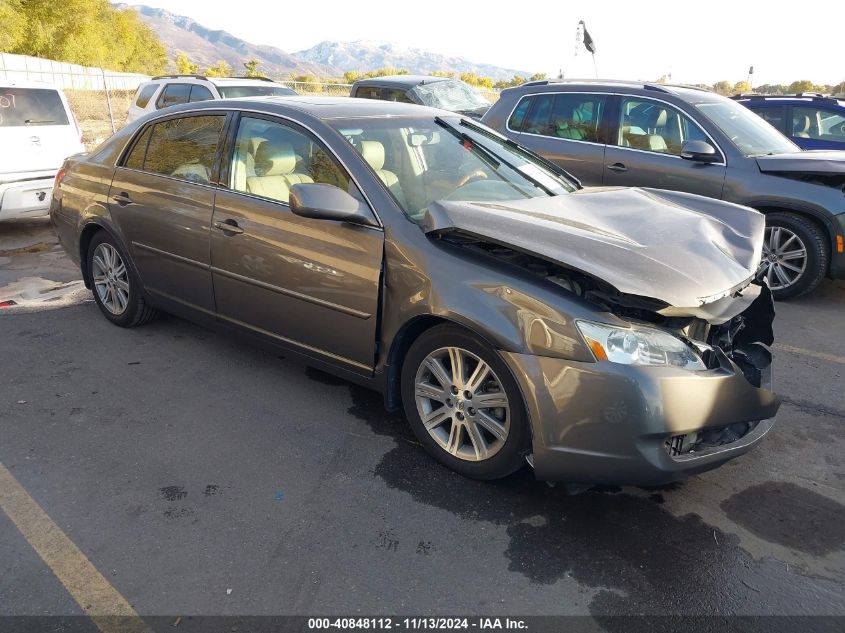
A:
686, 139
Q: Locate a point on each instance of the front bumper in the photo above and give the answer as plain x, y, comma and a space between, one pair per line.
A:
608, 423
26, 198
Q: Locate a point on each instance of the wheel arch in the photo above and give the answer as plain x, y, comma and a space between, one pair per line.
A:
817, 220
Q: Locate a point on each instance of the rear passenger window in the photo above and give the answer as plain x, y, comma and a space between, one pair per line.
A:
135, 159
145, 95
184, 148
270, 158
518, 116
200, 93
576, 117
368, 92
537, 121
174, 94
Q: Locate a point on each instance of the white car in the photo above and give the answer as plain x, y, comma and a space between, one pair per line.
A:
37, 132
169, 90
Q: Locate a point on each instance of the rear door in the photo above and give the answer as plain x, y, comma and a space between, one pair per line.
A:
162, 198
645, 150
566, 128
37, 131
310, 284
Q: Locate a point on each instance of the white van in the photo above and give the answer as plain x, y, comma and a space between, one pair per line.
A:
37, 132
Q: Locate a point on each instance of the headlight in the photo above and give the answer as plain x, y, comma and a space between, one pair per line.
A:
639, 346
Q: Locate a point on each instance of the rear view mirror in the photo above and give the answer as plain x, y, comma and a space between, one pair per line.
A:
327, 202
700, 152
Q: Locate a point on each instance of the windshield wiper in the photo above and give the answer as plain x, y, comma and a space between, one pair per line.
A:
483, 151
552, 167
37, 121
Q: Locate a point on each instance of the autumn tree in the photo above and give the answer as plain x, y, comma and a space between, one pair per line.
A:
722, 87
184, 66
251, 68
13, 23
802, 85
220, 69
741, 86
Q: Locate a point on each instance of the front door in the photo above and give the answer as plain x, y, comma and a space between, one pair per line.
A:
645, 150
310, 284
162, 198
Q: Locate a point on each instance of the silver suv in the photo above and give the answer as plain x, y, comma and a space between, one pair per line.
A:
687, 139
168, 90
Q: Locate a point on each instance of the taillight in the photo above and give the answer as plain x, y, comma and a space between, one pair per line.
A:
60, 175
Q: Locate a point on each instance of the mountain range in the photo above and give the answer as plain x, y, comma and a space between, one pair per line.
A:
204, 46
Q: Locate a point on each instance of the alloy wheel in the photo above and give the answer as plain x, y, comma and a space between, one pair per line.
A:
462, 404
111, 279
784, 258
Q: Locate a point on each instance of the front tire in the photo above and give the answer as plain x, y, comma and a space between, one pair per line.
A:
796, 254
116, 287
464, 405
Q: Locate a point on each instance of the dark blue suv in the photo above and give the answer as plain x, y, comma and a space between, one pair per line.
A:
811, 120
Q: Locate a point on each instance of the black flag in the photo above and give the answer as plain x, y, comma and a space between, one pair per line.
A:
589, 44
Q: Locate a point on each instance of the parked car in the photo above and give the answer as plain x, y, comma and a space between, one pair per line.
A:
812, 121
37, 132
687, 139
513, 314
438, 92
168, 90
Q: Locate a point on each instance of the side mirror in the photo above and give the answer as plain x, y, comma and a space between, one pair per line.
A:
700, 152
327, 202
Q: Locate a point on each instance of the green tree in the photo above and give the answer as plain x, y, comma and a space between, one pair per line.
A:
251, 68
184, 66
802, 85
220, 69
741, 86
13, 24
537, 77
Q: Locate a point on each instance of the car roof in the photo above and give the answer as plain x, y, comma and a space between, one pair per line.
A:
217, 81
318, 107
401, 80
551, 85
802, 98
21, 83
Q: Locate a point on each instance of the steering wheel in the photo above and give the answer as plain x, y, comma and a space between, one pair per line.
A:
476, 175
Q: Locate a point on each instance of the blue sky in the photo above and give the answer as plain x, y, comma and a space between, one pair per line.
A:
695, 41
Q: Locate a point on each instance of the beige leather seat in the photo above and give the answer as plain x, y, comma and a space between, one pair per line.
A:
274, 171
801, 126
373, 153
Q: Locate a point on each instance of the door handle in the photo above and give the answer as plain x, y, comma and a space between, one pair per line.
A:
122, 198
228, 226
617, 167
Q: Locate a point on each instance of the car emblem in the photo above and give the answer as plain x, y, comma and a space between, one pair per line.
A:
35, 139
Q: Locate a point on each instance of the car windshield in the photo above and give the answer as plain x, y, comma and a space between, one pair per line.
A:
31, 106
451, 95
752, 135
236, 92
425, 159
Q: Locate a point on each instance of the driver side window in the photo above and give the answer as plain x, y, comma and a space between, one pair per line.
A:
654, 126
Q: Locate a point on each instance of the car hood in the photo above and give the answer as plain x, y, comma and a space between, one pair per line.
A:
678, 248
812, 162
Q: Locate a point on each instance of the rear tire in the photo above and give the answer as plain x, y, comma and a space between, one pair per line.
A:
117, 290
796, 255
475, 418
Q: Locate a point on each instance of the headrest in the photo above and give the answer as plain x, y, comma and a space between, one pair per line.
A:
659, 118
274, 159
800, 123
373, 153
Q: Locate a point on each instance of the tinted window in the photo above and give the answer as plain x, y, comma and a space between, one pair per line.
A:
818, 123
368, 92
135, 159
200, 93
174, 94
537, 121
773, 115
270, 90
392, 94
518, 116
576, 117
145, 95
184, 148
656, 127
31, 106
270, 158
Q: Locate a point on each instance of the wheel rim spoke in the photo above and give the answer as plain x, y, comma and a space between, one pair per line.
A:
462, 404
111, 279
779, 266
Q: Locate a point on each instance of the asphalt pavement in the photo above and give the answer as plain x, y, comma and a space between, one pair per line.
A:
202, 476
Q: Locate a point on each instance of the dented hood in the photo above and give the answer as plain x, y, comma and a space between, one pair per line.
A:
682, 249
808, 162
